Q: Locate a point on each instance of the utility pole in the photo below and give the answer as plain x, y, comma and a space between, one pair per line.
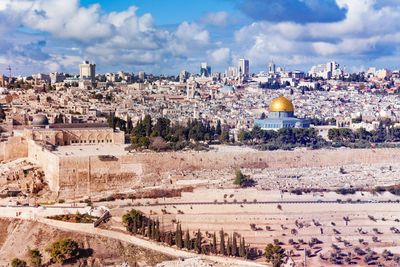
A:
305, 257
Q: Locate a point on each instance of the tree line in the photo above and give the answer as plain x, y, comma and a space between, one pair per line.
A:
163, 134
285, 138
138, 224
384, 133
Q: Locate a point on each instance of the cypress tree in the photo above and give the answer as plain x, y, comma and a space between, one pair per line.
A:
218, 130
148, 233
214, 246
153, 230
134, 230
241, 248
178, 236
187, 240
197, 244
244, 248
143, 230
234, 246
157, 234
229, 246
169, 239
221, 242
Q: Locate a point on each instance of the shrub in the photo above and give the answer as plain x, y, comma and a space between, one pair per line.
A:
63, 250
36, 257
18, 263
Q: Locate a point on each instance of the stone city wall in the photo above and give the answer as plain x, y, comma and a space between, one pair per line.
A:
13, 149
83, 176
48, 161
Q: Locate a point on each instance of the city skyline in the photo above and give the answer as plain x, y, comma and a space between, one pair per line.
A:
165, 37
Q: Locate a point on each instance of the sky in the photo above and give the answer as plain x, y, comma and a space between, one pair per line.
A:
166, 37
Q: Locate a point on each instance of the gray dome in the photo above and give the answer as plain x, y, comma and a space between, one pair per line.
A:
40, 120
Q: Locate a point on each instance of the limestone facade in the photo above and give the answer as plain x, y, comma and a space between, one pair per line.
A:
74, 134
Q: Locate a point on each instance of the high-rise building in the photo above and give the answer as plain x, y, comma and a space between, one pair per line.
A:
271, 67
326, 71
142, 75
243, 67
231, 72
87, 71
205, 70
183, 76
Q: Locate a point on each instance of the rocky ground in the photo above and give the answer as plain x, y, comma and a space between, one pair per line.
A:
16, 236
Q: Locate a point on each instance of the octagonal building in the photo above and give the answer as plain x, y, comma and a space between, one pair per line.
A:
281, 115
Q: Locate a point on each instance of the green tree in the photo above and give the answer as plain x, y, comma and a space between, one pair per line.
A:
35, 257
161, 128
144, 142
139, 130
18, 263
157, 234
197, 243
62, 250
238, 177
148, 232
222, 249
147, 125
153, 230
178, 236
133, 220
170, 239
214, 244
224, 138
218, 130
234, 246
242, 248
229, 246
187, 241
275, 254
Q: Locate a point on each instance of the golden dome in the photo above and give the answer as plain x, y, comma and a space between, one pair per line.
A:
281, 104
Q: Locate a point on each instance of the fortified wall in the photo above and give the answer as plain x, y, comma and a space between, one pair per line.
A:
87, 175
13, 149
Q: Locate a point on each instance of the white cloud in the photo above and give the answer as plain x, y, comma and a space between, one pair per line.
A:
220, 57
215, 18
192, 32
367, 27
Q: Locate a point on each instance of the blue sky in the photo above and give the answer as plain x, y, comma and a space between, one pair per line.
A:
165, 37
167, 12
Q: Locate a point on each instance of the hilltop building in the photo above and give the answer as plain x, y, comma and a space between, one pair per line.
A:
281, 115
87, 71
326, 71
